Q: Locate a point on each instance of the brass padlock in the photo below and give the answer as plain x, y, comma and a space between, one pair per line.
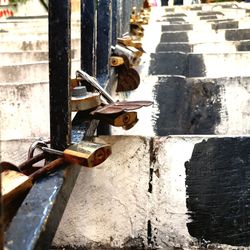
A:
133, 58
125, 120
116, 61
85, 153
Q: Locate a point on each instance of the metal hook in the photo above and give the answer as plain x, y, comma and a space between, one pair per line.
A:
36, 145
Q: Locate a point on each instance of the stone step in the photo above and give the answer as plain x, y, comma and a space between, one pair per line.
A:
29, 72
206, 35
24, 111
237, 34
30, 44
163, 202
200, 65
210, 47
215, 25
177, 27
192, 36
191, 106
21, 57
202, 105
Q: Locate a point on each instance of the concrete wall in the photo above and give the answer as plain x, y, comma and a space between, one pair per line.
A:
151, 192
116, 203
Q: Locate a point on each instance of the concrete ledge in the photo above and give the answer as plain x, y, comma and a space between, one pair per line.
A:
173, 20
202, 105
29, 72
210, 47
209, 13
208, 17
180, 47
179, 36
176, 27
237, 34
15, 151
31, 44
225, 25
220, 65
200, 65
243, 46
22, 57
130, 201
175, 15
193, 36
24, 111
168, 63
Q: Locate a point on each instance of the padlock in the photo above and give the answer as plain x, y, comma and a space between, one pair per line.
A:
125, 40
116, 61
124, 119
114, 112
82, 100
15, 185
85, 153
136, 30
121, 50
135, 51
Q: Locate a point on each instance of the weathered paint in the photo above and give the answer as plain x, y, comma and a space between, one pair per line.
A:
200, 65
218, 191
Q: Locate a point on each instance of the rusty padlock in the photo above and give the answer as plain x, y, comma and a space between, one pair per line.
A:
128, 78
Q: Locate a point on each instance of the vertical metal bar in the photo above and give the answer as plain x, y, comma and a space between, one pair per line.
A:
119, 18
59, 73
114, 21
88, 8
103, 38
1, 200
126, 8
1, 211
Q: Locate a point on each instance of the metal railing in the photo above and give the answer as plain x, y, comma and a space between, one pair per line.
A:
102, 21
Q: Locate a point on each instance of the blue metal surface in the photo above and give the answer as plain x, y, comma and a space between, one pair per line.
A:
88, 29
114, 22
103, 46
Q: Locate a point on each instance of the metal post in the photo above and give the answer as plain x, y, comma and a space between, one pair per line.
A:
103, 39
88, 8
126, 10
1, 213
59, 73
119, 18
114, 22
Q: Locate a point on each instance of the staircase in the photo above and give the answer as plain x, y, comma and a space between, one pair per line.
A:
180, 178
24, 76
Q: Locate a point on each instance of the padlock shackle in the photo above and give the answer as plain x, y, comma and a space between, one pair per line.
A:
46, 169
94, 83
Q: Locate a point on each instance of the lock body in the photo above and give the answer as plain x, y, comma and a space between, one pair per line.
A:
15, 187
87, 154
